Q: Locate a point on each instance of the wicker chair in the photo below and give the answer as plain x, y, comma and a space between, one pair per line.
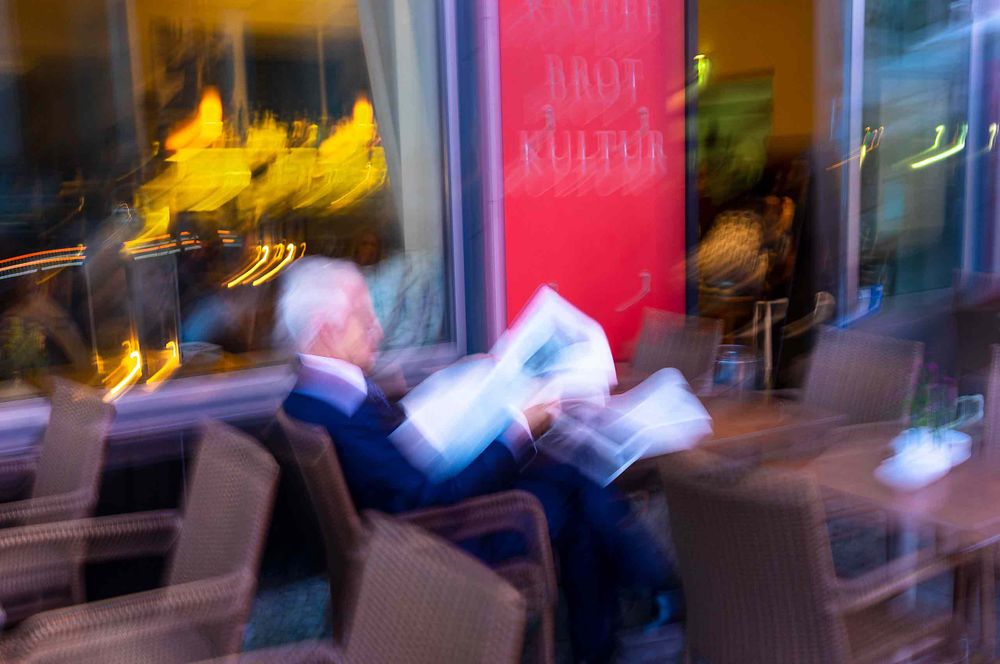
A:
315, 458
438, 603
867, 377
68, 469
211, 575
759, 579
65, 482
421, 601
686, 343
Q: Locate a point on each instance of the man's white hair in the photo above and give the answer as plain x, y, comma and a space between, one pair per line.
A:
312, 290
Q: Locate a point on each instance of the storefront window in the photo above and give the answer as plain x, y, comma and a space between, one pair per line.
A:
913, 155
163, 161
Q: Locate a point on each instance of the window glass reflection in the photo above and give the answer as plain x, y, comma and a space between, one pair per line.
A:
162, 162
916, 116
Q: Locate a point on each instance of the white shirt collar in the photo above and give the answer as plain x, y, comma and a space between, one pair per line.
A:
339, 383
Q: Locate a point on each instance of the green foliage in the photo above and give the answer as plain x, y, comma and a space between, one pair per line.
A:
934, 402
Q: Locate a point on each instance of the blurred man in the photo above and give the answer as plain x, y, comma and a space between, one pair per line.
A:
326, 313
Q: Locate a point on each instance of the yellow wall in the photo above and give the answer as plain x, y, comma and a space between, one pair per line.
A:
752, 36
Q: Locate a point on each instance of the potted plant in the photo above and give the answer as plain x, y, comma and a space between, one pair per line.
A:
933, 444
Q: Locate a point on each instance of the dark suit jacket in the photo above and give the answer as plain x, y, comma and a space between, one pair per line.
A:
378, 474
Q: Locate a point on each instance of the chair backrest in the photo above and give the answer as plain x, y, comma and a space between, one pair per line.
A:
73, 446
991, 414
316, 461
867, 377
686, 343
755, 562
227, 508
422, 601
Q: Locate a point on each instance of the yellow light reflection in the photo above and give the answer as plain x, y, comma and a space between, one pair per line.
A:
131, 367
703, 69
172, 363
277, 255
204, 128
939, 134
374, 178
351, 163
870, 143
993, 137
275, 167
200, 180
957, 147
262, 253
267, 276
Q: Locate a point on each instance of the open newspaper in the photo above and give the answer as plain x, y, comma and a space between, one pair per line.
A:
551, 353
658, 416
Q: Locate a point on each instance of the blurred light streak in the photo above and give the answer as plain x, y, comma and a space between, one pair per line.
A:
78, 248
229, 237
877, 138
202, 130
362, 189
870, 143
17, 266
277, 255
156, 226
351, 163
703, 69
262, 254
267, 276
274, 167
202, 180
993, 137
165, 252
171, 365
131, 374
189, 242
938, 135
953, 150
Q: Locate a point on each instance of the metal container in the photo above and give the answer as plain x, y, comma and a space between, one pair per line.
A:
738, 368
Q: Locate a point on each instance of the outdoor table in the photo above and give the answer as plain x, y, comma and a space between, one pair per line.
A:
752, 424
965, 503
758, 424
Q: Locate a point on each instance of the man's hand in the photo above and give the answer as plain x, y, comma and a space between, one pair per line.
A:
539, 419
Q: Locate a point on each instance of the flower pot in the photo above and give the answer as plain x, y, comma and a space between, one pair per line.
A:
923, 456
957, 443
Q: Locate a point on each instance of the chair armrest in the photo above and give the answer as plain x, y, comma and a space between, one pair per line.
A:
154, 614
46, 508
508, 511
892, 579
106, 538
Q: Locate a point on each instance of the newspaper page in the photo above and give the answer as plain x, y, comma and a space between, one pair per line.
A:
659, 416
552, 351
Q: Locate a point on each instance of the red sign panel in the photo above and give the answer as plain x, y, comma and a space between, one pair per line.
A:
593, 144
